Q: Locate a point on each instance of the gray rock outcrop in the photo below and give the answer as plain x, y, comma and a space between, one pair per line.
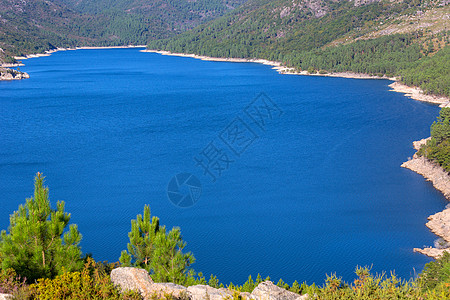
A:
202, 292
432, 172
132, 279
439, 224
10, 74
268, 291
139, 280
162, 290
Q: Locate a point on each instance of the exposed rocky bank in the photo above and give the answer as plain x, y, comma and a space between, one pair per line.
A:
10, 74
139, 280
438, 223
418, 94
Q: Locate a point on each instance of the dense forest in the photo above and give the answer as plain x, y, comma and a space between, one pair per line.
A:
432, 74
36, 26
331, 37
52, 266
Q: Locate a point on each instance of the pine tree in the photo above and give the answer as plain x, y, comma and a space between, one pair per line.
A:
142, 237
258, 279
295, 287
35, 245
157, 251
213, 281
169, 263
280, 283
249, 285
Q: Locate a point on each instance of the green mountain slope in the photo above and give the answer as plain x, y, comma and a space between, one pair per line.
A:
39, 25
162, 17
174, 10
260, 27
36, 26
366, 37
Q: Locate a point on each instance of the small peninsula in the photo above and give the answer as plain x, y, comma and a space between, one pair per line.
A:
11, 74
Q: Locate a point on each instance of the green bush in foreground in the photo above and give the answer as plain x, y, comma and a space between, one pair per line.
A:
90, 283
436, 272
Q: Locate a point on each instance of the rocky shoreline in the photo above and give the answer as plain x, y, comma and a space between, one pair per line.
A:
275, 64
438, 223
411, 92
417, 94
49, 52
10, 74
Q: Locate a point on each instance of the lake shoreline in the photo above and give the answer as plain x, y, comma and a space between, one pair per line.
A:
417, 164
77, 68
438, 223
5, 67
50, 52
414, 93
7, 74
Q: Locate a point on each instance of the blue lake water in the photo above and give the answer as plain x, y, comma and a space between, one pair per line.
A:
317, 189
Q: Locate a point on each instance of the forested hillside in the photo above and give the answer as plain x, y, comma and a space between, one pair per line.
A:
38, 25
378, 37
176, 11
162, 18
362, 36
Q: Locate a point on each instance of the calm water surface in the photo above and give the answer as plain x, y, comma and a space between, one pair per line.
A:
319, 191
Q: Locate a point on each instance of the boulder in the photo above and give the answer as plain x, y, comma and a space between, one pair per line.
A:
7, 76
162, 290
132, 279
268, 291
246, 295
205, 292
140, 281
21, 75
